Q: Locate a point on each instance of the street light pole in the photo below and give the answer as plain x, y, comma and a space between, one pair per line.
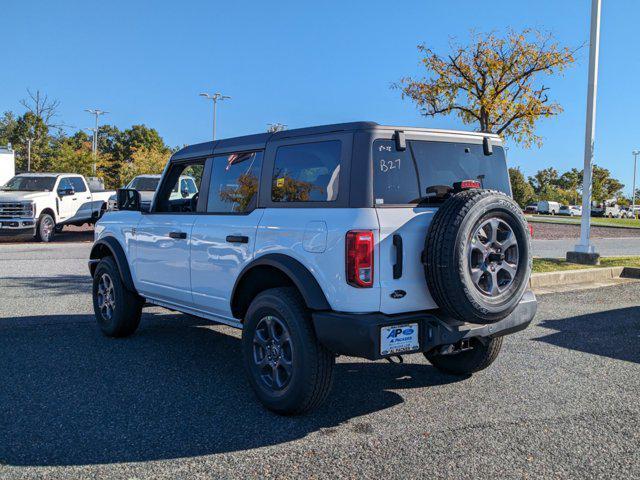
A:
28, 154
585, 251
97, 112
635, 154
215, 98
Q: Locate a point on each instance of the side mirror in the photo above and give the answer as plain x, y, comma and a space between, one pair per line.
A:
129, 199
64, 192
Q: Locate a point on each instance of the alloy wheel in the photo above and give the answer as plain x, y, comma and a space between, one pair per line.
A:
493, 257
106, 296
273, 353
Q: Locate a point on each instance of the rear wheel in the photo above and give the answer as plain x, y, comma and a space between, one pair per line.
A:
45, 228
117, 310
289, 370
478, 357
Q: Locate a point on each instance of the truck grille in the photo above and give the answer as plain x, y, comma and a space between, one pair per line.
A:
13, 210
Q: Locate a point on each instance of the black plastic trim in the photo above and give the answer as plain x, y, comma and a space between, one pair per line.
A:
358, 335
301, 277
117, 252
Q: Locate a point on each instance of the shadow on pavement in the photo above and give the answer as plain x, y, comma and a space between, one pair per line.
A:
53, 285
612, 333
69, 234
175, 389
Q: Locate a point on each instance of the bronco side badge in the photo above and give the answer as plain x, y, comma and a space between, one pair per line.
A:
398, 294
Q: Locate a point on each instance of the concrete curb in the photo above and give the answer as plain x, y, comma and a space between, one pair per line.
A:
585, 275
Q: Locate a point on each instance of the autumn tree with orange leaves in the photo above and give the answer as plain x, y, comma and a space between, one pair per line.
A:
493, 82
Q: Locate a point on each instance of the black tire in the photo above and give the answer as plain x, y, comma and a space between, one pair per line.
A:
449, 257
123, 318
469, 361
45, 228
309, 363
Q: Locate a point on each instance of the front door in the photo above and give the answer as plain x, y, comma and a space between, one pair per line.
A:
163, 240
68, 205
223, 239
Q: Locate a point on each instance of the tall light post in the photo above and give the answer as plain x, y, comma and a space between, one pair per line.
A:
585, 251
97, 112
216, 97
635, 154
29, 140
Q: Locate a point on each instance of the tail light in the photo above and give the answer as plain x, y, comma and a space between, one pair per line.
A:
359, 258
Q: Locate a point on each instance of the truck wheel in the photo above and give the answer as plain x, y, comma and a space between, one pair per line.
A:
117, 310
289, 370
45, 228
470, 361
477, 256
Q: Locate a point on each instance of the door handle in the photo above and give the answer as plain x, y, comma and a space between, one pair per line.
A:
237, 239
397, 267
74, 199
178, 235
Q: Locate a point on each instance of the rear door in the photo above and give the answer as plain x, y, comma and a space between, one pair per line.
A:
401, 178
223, 238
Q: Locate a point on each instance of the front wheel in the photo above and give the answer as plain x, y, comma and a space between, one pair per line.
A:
288, 368
477, 358
117, 310
45, 228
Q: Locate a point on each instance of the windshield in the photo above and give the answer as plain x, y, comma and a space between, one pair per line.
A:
144, 184
403, 177
30, 184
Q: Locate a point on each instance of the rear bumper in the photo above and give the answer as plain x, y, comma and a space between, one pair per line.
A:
17, 226
358, 335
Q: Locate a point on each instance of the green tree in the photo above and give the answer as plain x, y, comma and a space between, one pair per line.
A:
522, 191
70, 156
571, 181
492, 82
31, 126
603, 186
8, 125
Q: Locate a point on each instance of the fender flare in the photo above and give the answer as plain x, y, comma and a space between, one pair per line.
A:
300, 275
117, 252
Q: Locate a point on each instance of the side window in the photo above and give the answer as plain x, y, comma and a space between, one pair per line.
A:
234, 182
64, 184
78, 184
307, 172
175, 195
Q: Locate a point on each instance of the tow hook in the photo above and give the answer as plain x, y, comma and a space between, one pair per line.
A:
455, 348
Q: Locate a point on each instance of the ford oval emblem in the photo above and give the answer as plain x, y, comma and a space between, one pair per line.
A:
398, 294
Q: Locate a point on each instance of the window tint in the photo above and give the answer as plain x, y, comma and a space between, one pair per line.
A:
64, 184
308, 172
403, 177
78, 184
395, 178
234, 182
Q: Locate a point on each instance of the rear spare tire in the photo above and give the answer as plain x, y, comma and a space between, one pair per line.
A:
478, 256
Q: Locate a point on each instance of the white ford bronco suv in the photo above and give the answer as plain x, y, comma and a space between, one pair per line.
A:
41, 204
350, 239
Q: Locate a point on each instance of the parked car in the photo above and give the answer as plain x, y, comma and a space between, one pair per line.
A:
608, 208
41, 204
570, 210
350, 239
147, 185
626, 212
531, 208
548, 208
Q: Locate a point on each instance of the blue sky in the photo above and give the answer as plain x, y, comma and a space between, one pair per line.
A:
303, 63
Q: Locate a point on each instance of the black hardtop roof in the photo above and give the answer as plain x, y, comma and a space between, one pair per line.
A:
258, 141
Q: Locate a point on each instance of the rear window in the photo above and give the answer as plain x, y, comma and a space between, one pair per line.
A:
402, 177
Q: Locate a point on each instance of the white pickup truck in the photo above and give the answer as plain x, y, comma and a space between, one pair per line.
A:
40, 204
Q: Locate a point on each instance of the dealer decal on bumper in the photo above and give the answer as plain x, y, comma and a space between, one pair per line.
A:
399, 338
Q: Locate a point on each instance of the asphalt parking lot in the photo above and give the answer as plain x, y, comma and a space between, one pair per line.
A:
172, 401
